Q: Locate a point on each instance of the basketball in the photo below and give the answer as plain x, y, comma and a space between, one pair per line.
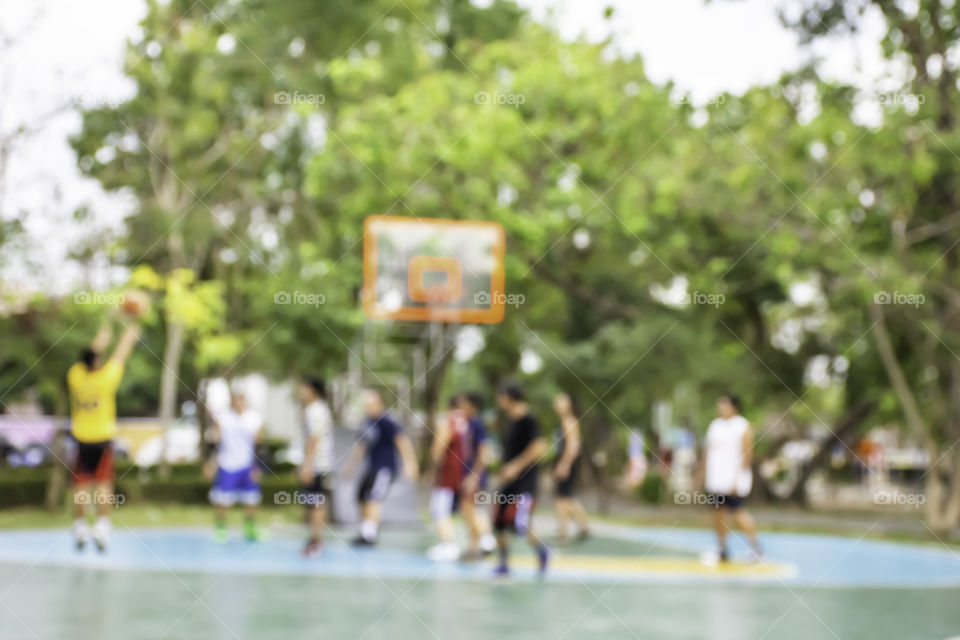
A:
135, 303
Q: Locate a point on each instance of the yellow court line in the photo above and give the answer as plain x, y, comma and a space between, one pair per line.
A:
661, 565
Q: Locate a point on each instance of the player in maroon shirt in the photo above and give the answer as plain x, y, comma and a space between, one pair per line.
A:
448, 452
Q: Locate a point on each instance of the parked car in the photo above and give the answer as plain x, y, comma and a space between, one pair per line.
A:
25, 440
182, 446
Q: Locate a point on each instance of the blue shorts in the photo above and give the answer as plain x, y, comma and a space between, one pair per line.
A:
231, 487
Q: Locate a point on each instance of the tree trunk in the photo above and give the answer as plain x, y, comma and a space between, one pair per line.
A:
951, 501
951, 506
933, 494
908, 401
596, 445
842, 433
57, 482
169, 378
942, 498
203, 420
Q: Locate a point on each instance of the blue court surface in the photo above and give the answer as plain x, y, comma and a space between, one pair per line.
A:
625, 582
655, 556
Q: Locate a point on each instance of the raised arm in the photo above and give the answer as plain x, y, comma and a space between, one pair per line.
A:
104, 335
128, 340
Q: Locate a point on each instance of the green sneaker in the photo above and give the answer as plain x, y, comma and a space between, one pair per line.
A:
250, 532
220, 533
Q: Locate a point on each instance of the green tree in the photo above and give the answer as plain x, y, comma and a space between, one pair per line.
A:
901, 183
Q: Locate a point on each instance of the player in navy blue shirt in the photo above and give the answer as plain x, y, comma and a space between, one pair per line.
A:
382, 440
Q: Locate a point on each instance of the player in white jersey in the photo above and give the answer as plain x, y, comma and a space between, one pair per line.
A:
729, 454
317, 462
237, 431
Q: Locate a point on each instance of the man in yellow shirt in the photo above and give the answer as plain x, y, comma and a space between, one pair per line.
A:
93, 411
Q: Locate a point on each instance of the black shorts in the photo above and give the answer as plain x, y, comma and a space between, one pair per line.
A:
316, 493
94, 462
565, 487
375, 484
731, 503
512, 512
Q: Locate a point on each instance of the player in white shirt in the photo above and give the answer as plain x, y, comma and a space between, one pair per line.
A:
314, 472
237, 430
729, 453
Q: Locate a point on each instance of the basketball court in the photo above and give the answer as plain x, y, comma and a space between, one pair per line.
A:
623, 583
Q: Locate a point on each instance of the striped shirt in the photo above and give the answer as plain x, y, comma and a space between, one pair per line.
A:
318, 423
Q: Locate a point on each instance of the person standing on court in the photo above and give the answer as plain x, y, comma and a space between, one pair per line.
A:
565, 470
523, 447
382, 442
481, 541
314, 472
92, 383
448, 452
237, 429
729, 454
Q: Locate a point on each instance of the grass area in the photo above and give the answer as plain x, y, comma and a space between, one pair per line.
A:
891, 527
139, 515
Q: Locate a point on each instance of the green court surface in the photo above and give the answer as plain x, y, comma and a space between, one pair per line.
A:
624, 583
77, 603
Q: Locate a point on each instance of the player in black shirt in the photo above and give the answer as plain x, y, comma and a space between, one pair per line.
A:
523, 447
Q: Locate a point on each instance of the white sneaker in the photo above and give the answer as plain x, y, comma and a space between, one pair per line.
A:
101, 534
488, 543
444, 552
81, 533
755, 557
